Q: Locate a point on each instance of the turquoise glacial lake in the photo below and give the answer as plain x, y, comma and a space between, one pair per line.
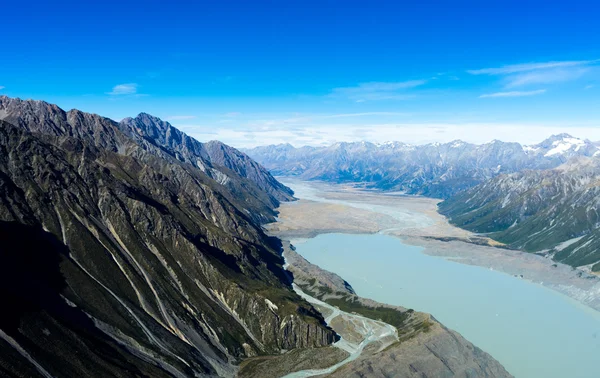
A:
533, 331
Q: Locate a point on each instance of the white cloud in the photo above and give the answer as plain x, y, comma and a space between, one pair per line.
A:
515, 68
387, 87
521, 75
589, 86
374, 91
124, 89
514, 94
179, 117
2, 87
545, 77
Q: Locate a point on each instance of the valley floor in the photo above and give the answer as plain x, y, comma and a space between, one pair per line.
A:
325, 208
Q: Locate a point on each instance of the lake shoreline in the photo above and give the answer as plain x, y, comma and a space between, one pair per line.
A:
427, 347
525, 326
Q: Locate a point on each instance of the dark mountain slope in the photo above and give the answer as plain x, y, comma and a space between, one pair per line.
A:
169, 266
555, 211
37, 318
226, 156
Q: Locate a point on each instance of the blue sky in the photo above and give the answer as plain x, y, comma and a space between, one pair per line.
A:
314, 72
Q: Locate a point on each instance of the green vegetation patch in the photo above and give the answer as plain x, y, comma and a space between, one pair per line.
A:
351, 303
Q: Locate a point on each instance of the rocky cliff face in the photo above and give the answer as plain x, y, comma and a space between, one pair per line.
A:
434, 170
128, 251
554, 212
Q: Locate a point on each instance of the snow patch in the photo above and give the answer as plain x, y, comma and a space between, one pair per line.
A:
506, 201
567, 243
271, 305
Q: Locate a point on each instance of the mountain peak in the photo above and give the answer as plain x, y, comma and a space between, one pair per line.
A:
563, 145
557, 137
286, 146
149, 118
149, 125
457, 143
562, 135
144, 115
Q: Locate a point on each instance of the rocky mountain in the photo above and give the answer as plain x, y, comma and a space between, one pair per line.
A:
130, 249
554, 212
435, 170
189, 150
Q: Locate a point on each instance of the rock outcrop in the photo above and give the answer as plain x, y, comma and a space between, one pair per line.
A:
439, 352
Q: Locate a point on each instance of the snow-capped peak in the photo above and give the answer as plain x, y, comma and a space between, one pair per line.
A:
565, 144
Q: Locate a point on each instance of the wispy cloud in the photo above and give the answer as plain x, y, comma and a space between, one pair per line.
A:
124, 89
364, 114
515, 68
589, 86
300, 119
374, 91
2, 87
514, 94
179, 117
550, 76
529, 74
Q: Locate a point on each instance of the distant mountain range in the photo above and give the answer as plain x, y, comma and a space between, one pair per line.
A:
541, 198
435, 170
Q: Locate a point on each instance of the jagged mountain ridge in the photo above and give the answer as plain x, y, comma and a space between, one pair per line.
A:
190, 150
155, 266
435, 170
150, 133
555, 212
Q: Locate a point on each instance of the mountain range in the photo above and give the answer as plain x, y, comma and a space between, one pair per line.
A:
434, 170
